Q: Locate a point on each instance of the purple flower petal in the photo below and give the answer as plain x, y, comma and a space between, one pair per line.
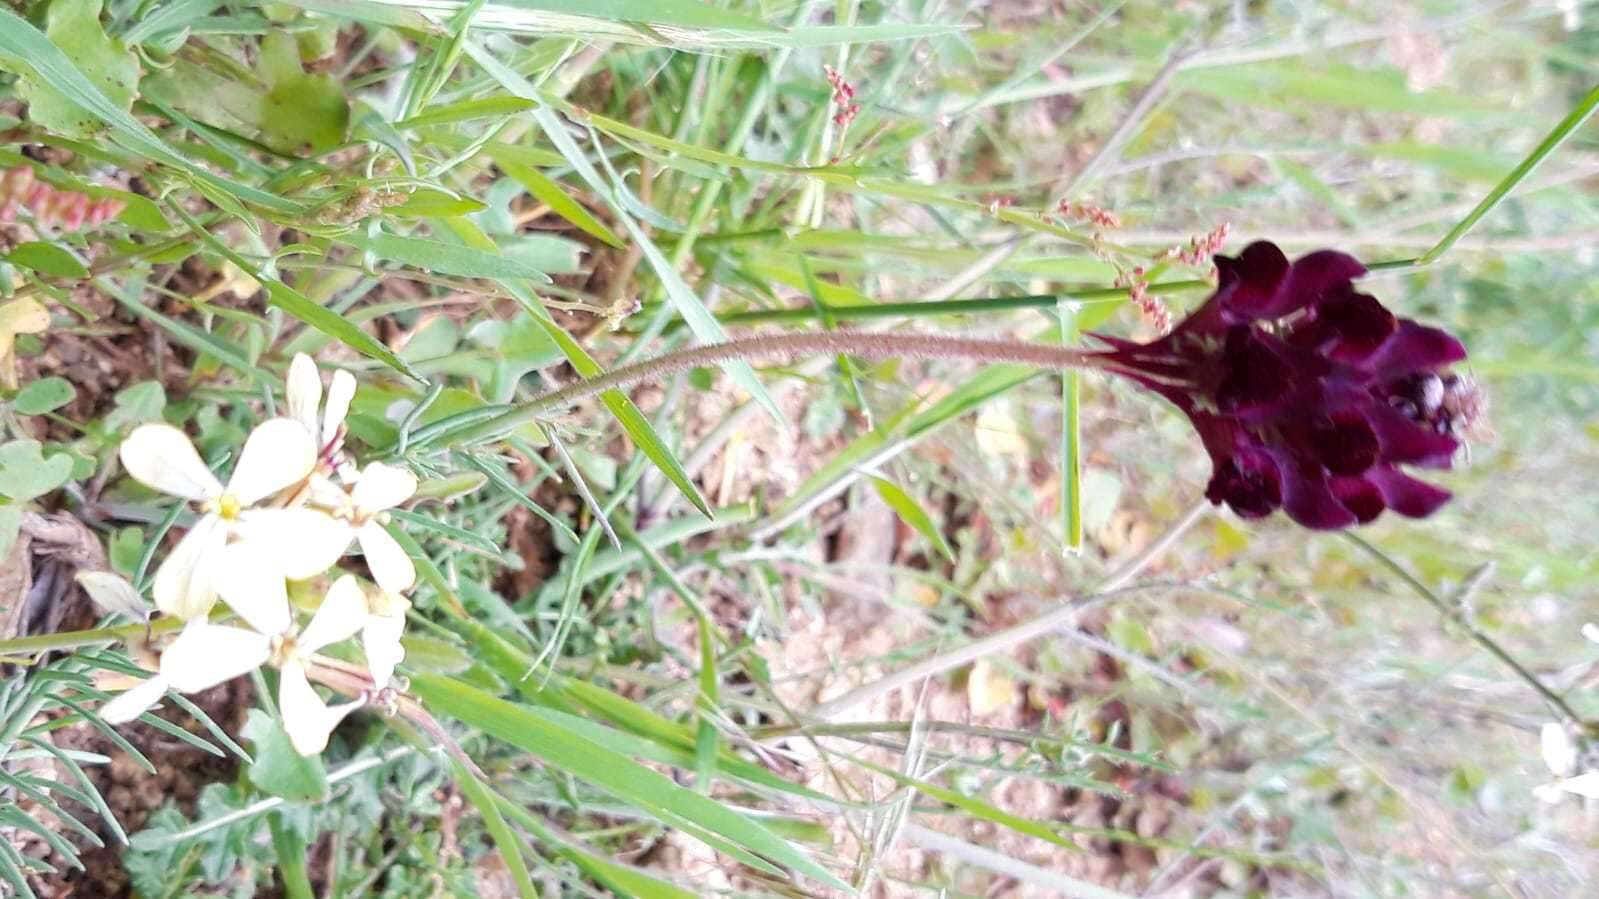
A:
1414, 348
1249, 482
1261, 284
1247, 284
1408, 442
1360, 496
1344, 441
1254, 372
1406, 495
1348, 326
1309, 500
1314, 276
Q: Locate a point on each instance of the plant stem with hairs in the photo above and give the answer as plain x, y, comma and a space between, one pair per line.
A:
871, 345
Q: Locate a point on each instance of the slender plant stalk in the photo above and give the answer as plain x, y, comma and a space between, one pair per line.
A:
872, 345
1454, 613
1546, 148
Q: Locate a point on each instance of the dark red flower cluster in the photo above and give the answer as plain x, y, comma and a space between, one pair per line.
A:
1307, 393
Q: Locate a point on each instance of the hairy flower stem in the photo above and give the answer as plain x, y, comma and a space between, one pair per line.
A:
871, 345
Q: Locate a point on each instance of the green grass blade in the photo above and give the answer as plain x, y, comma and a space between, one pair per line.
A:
1546, 148
442, 258
610, 771
911, 512
302, 307
484, 800
1071, 464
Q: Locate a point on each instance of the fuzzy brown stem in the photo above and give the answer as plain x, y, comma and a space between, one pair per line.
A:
766, 348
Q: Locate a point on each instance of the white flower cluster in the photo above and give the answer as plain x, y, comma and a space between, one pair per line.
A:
292, 507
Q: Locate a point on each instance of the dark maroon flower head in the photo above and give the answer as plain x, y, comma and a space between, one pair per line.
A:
1307, 394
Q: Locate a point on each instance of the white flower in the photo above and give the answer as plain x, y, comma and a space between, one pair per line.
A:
380, 635
206, 654
1561, 754
380, 488
278, 454
304, 393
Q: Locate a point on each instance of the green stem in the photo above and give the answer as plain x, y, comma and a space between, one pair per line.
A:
1454, 613
1544, 150
100, 636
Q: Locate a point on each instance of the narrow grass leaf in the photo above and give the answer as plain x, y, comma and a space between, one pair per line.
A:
911, 512
626, 881
610, 771
484, 800
549, 192
1546, 148
442, 258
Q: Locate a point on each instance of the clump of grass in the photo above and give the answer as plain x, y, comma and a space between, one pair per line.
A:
656, 611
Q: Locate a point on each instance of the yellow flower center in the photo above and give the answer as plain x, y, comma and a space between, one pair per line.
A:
228, 507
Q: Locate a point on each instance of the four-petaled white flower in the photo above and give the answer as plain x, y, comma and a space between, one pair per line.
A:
304, 394
378, 489
205, 654
278, 454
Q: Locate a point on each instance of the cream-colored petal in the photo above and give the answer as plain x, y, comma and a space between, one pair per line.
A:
1584, 785
340, 393
1559, 751
381, 487
308, 720
381, 641
249, 581
302, 542
341, 614
182, 585
135, 702
391, 567
205, 655
1550, 793
278, 453
162, 458
304, 393
328, 496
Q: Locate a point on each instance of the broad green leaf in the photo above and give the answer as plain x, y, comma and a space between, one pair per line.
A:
136, 404
278, 769
911, 512
25, 473
610, 771
113, 69
25, 49
45, 395
46, 259
299, 113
